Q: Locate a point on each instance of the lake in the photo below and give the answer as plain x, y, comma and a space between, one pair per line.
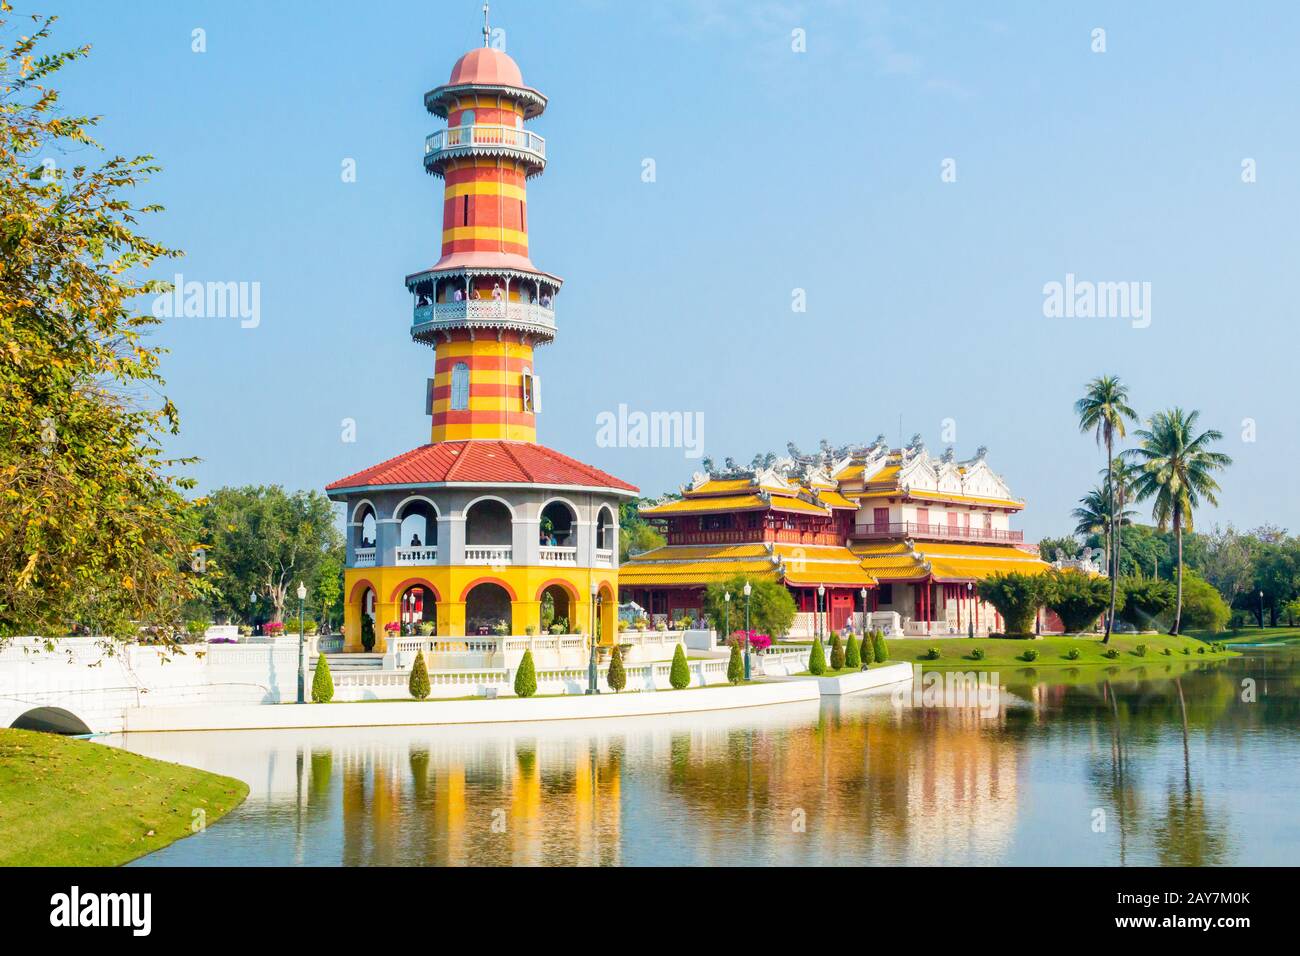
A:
1172, 762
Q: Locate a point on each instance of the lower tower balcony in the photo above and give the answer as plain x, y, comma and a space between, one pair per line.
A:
431, 318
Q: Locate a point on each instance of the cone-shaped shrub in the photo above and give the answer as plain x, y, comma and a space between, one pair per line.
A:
852, 655
680, 674
837, 654
526, 677
736, 665
880, 647
817, 658
868, 651
418, 685
322, 684
616, 676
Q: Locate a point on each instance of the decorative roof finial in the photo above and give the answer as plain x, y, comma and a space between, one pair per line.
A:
487, 32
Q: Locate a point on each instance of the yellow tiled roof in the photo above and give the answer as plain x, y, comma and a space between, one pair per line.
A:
797, 504
718, 503
835, 500
810, 575
966, 499
721, 486
698, 552
693, 572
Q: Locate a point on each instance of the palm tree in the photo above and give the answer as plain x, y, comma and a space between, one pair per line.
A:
1176, 466
1093, 517
1103, 410
1125, 475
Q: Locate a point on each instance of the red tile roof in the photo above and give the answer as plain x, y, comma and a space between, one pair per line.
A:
485, 462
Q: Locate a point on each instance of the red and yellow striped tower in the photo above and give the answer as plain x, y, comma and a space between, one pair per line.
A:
483, 305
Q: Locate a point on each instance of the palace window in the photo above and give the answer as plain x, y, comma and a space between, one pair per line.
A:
460, 387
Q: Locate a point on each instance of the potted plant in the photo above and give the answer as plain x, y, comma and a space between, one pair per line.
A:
500, 628
273, 628
530, 629
367, 633
426, 628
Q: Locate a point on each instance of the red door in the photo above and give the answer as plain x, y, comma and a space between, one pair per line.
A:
923, 518
841, 606
880, 517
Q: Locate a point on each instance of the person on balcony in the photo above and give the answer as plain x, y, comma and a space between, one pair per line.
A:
415, 541
460, 295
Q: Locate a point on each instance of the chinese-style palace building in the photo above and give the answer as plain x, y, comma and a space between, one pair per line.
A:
473, 531
847, 530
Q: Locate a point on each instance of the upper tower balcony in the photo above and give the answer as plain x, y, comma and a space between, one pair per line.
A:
484, 140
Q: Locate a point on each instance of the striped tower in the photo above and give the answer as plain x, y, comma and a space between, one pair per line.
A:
484, 305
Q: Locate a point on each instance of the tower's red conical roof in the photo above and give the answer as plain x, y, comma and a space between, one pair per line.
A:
486, 65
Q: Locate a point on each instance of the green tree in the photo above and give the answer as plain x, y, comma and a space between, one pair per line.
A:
327, 589
1104, 410
418, 685
367, 633
1077, 598
1017, 598
264, 541
837, 654
94, 524
616, 676
1068, 546
1146, 599
1177, 473
817, 658
771, 608
635, 534
526, 676
853, 653
868, 648
735, 664
1203, 607
879, 646
322, 682
679, 675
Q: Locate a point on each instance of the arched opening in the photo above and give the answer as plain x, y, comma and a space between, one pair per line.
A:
557, 610
606, 615
488, 522
51, 720
418, 606
487, 608
363, 527
419, 528
364, 610
557, 525
606, 530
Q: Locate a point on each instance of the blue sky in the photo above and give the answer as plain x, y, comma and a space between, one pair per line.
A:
775, 170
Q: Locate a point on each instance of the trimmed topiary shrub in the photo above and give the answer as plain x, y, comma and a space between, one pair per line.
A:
1168, 652
977, 654
1017, 598
1140, 650
837, 654
932, 654
1077, 598
1112, 653
880, 647
679, 675
1072, 654
817, 658
867, 652
526, 676
322, 682
367, 633
418, 685
1030, 654
735, 665
853, 653
616, 676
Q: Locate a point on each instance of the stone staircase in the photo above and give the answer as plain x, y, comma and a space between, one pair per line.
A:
350, 663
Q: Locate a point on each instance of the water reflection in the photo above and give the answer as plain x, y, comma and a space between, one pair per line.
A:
1164, 764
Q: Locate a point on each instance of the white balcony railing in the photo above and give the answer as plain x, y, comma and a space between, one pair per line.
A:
488, 554
363, 558
418, 555
605, 557
484, 138
553, 554
434, 316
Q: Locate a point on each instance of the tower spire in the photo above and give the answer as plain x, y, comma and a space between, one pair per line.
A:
487, 32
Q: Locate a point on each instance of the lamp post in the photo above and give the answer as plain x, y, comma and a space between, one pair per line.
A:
252, 616
747, 590
970, 618
863, 592
822, 631
302, 640
726, 603
1261, 610
592, 688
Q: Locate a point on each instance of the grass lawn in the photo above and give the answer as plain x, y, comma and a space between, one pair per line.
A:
69, 802
1253, 635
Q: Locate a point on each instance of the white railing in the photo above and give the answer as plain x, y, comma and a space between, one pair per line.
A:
484, 135
363, 558
436, 315
605, 557
488, 553
417, 555
555, 554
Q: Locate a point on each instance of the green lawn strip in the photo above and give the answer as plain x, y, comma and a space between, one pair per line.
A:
844, 671
1253, 635
1000, 652
69, 802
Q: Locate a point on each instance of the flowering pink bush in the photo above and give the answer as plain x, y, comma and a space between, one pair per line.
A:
757, 642
274, 627
392, 627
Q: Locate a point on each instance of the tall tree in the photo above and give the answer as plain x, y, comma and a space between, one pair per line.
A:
96, 527
1177, 469
1104, 410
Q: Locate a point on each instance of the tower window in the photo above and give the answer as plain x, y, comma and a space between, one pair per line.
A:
460, 387
467, 118
464, 213
528, 389
523, 223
